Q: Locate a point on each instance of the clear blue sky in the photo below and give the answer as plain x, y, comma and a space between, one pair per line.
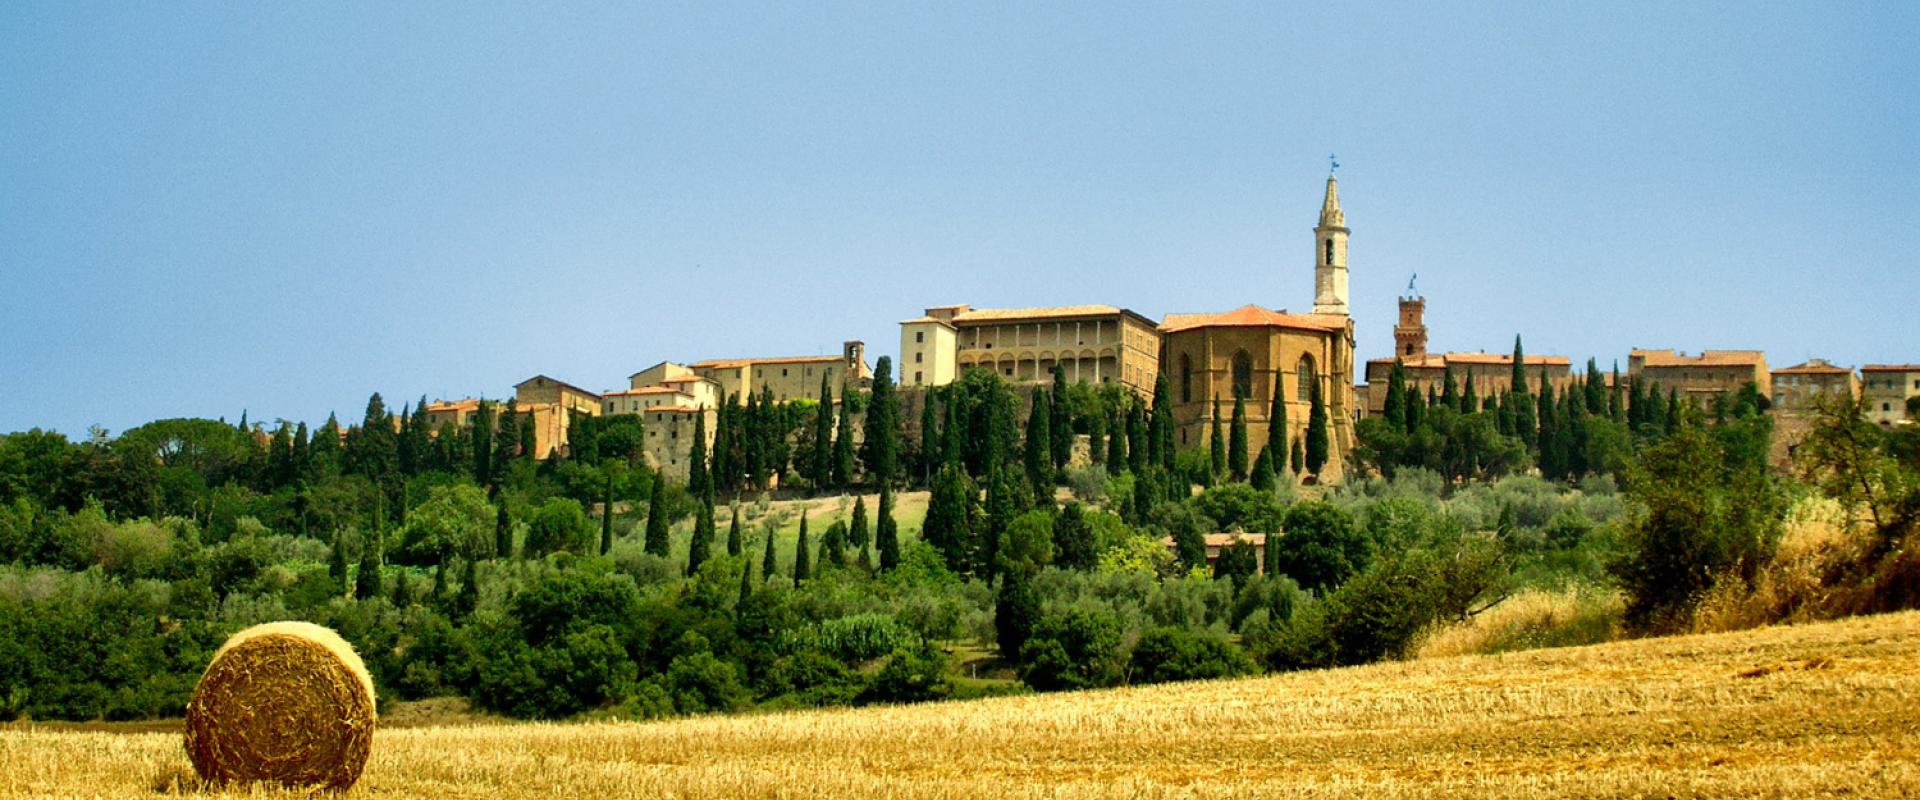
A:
284, 207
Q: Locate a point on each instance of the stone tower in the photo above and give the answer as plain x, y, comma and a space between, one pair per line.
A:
1410, 336
1330, 255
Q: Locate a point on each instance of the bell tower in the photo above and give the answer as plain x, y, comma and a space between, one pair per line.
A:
1330, 253
1410, 336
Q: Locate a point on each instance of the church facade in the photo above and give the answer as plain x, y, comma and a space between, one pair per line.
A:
1254, 352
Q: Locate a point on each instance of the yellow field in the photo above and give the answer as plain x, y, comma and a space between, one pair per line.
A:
1831, 708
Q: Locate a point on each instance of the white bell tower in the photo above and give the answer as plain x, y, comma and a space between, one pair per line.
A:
1330, 253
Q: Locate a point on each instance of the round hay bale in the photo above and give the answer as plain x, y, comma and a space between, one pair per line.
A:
288, 702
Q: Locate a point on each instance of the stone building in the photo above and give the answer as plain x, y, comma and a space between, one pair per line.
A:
791, 377
1710, 373
1492, 372
662, 385
549, 406
669, 431
548, 421
1887, 389
1252, 352
1092, 343
1796, 388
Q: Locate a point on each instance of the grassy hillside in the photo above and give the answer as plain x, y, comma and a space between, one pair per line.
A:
1793, 711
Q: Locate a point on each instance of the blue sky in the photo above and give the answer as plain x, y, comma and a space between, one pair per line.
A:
281, 208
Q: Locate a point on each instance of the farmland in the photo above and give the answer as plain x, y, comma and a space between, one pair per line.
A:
1825, 708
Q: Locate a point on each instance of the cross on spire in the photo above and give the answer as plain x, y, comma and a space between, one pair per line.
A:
1334, 162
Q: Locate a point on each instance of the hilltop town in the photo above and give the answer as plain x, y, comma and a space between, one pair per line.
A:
1250, 352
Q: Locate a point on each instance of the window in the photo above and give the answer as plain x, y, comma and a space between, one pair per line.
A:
916, 377
916, 358
1008, 371
1304, 391
919, 337
1329, 252
1186, 379
1242, 374
1886, 406
783, 372
1409, 348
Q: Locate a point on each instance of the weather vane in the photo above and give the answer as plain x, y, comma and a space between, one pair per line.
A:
1335, 162
1410, 280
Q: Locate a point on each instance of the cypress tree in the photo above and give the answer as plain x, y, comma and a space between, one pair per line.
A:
1449, 394
843, 443
746, 584
886, 535
1518, 381
948, 515
1262, 476
1160, 430
606, 517
802, 569
954, 433
1596, 393
734, 545
1016, 609
821, 473
1117, 461
1299, 457
1216, 446
700, 548
697, 476
480, 435
931, 442
402, 598
1395, 408
1074, 546
1060, 426
337, 563
1277, 425
1469, 401
1237, 441
367, 584
1140, 446
833, 546
857, 534
883, 425
1001, 509
1097, 438
502, 532
1616, 400
769, 564
1317, 444
1039, 451
324, 452
302, 457
1674, 416
506, 441
657, 543
469, 597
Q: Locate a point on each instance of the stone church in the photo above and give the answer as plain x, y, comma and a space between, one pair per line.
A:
1253, 352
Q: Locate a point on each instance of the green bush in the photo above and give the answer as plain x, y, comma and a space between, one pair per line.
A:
1072, 649
1180, 654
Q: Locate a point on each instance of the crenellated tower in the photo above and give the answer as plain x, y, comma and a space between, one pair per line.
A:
1330, 254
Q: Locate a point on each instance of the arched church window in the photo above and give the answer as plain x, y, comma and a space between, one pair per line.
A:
1304, 390
1186, 379
1329, 252
1242, 374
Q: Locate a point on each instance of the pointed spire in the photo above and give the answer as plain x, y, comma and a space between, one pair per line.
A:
1330, 214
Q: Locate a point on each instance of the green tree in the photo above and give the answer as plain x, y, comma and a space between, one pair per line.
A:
700, 548
1160, 432
453, 521
480, 443
606, 516
1027, 545
769, 564
559, 525
1074, 648
1060, 427
833, 546
1277, 424
1299, 458
1237, 441
823, 449
366, 584
1321, 548
949, 511
883, 425
1216, 447
887, 532
657, 543
802, 560
1117, 456
1074, 539
502, 532
1039, 457
1317, 444
843, 443
734, 544
1016, 609
698, 478
1263, 477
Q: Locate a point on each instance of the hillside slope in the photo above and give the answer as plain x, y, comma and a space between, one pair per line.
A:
1816, 709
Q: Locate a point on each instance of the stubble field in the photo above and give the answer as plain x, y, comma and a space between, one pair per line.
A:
1826, 709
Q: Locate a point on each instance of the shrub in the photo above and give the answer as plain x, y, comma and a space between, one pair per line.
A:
911, 675
1072, 649
1320, 547
859, 637
1179, 654
558, 526
1089, 483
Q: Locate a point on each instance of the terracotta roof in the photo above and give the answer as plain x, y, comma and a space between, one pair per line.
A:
1225, 539
659, 389
729, 363
1253, 316
443, 406
1046, 312
1441, 360
562, 384
1891, 368
926, 321
1813, 368
1710, 358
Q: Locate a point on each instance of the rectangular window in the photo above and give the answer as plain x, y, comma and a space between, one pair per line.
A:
916, 358
916, 377
919, 337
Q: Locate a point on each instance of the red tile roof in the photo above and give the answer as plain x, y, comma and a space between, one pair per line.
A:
1891, 368
1710, 358
1253, 316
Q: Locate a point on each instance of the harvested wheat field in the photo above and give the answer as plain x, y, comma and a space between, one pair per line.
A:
1831, 708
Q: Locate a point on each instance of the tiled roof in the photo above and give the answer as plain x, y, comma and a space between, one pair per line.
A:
1891, 368
444, 406
562, 384
661, 389
1441, 360
1048, 312
1225, 539
1253, 316
1710, 358
925, 321
1813, 368
729, 363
